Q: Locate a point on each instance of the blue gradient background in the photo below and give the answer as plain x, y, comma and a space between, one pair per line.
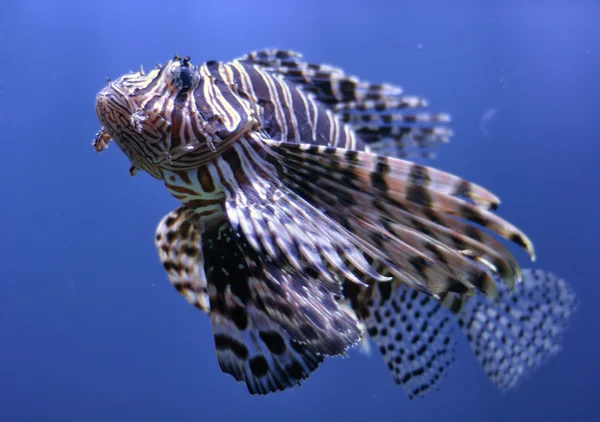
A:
90, 329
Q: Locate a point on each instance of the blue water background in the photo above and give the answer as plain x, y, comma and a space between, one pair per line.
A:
91, 330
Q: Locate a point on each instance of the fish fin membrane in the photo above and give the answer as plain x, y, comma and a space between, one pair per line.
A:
424, 221
261, 329
178, 243
510, 336
520, 330
284, 228
389, 122
413, 333
213, 273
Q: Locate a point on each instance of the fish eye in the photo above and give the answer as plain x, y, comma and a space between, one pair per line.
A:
182, 73
186, 74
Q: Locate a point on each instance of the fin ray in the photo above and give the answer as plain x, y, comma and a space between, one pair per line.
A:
369, 108
381, 198
178, 243
413, 333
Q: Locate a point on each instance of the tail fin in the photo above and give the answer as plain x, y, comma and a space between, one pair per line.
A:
390, 123
413, 333
511, 336
520, 330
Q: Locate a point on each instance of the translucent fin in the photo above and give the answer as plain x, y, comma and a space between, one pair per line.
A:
428, 263
247, 301
178, 243
413, 333
457, 235
281, 225
400, 128
304, 307
434, 250
253, 345
520, 330
385, 175
296, 235
412, 214
391, 123
510, 337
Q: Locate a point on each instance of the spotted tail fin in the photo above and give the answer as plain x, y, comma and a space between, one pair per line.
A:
518, 332
389, 122
510, 337
413, 333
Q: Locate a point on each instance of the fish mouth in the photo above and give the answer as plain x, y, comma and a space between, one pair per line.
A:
134, 111
119, 123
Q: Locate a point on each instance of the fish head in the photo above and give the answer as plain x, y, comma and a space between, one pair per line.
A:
174, 117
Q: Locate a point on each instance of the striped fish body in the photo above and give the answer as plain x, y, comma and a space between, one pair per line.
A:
301, 226
185, 124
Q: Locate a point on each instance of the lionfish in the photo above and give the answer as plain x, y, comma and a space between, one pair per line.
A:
303, 227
